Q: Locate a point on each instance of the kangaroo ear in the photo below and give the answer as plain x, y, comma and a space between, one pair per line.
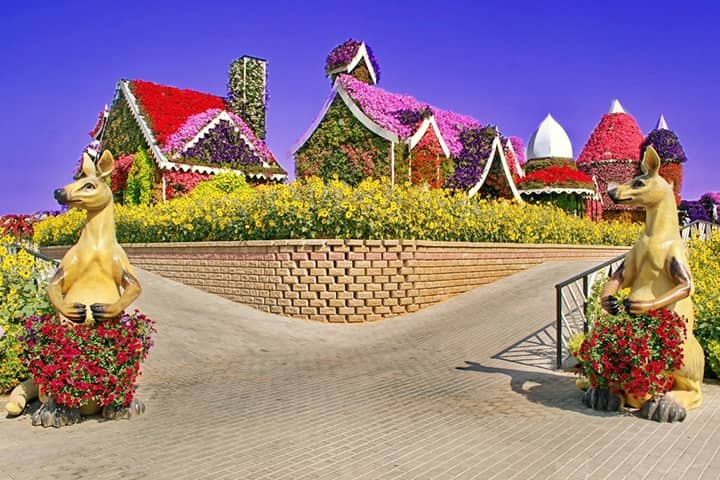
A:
88, 166
650, 162
105, 164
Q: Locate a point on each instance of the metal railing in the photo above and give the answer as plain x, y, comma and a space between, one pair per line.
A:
571, 295
18, 247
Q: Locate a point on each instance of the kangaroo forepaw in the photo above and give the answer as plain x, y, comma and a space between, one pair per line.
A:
136, 408
610, 304
601, 399
663, 409
50, 414
76, 313
104, 311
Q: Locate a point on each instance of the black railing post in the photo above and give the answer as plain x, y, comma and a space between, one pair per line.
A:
558, 326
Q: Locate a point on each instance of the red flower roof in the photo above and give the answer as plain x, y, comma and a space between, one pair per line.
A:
617, 137
167, 108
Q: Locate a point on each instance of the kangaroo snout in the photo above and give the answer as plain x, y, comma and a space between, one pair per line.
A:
61, 196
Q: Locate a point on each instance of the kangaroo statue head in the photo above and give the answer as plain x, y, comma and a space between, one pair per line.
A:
647, 190
91, 191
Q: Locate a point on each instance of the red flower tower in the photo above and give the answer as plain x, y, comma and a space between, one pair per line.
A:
612, 154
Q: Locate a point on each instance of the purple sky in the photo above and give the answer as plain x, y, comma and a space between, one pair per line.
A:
507, 65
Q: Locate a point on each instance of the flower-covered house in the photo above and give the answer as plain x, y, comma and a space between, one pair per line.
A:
366, 131
167, 139
551, 175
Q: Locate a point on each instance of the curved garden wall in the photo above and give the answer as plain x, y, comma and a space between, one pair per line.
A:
344, 280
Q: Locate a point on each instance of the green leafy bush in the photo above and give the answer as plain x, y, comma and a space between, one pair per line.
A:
140, 180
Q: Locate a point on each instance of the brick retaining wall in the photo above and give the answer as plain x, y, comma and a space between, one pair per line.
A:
344, 280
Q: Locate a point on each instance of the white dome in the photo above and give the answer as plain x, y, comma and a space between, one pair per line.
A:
549, 141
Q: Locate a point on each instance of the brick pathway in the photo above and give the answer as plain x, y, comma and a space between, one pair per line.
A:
462, 390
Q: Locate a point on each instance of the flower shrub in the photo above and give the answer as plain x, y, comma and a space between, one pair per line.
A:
77, 364
634, 354
315, 209
222, 183
182, 183
673, 174
140, 180
705, 269
119, 175
23, 282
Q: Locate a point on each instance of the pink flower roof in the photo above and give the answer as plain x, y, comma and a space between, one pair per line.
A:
195, 123
617, 137
384, 108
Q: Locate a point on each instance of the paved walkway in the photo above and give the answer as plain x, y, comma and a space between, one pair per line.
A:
462, 390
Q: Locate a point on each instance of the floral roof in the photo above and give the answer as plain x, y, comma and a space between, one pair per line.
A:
174, 115
616, 137
400, 113
667, 145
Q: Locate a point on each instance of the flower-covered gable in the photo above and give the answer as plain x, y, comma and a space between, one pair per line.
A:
171, 118
612, 154
671, 153
482, 168
429, 162
354, 57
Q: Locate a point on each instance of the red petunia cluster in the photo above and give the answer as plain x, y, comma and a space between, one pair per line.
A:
119, 175
556, 176
182, 183
167, 108
426, 161
77, 364
617, 137
634, 354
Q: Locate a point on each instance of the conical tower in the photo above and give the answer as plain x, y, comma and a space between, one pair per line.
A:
612, 154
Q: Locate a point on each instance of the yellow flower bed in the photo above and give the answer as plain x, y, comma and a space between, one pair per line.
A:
372, 210
23, 279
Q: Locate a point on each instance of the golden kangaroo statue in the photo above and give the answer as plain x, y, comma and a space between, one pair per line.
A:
656, 271
94, 281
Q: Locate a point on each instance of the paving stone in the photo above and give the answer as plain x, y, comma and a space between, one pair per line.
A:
463, 389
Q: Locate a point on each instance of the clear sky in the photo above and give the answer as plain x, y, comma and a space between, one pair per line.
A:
505, 63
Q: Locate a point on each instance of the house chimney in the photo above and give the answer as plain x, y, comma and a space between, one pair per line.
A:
247, 86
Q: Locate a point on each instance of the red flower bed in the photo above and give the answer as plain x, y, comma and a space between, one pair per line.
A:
77, 364
617, 137
167, 108
634, 354
556, 176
